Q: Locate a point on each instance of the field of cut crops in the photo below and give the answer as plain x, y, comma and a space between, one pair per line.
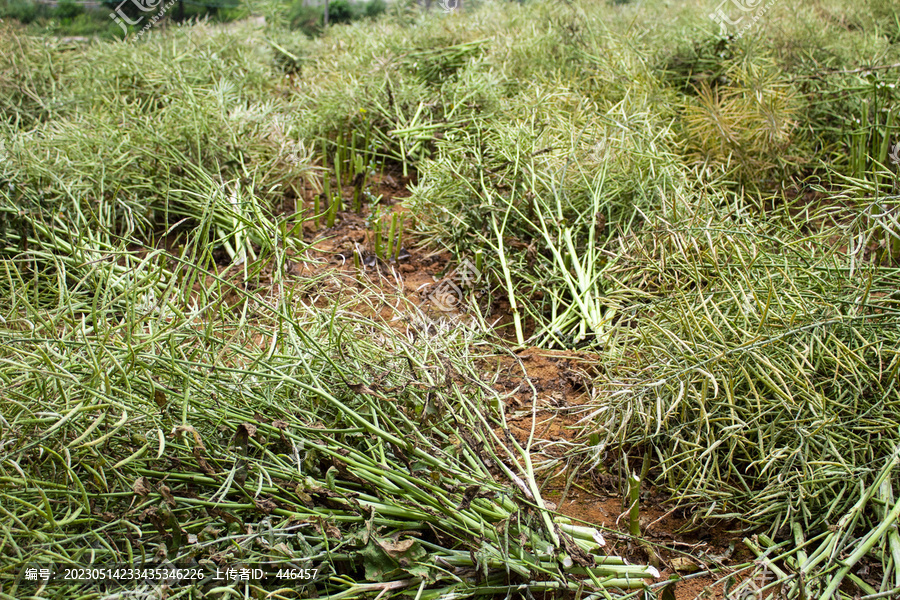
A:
575, 299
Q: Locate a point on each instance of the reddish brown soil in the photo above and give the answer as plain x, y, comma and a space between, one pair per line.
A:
560, 380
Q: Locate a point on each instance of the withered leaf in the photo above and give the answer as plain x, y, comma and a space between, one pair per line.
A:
181, 429
579, 556
395, 549
225, 516
248, 428
202, 462
167, 496
683, 564
361, 388
265, 505
469, 495
332, 531
241, 471
141, 486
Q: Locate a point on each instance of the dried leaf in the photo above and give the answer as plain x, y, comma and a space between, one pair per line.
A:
248, 428
141, 486
682, 564
188, 429
202, 462
361, 388
395, 549
167, 496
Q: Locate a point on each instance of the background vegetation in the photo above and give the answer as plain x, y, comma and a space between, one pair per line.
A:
74, 19
715, 217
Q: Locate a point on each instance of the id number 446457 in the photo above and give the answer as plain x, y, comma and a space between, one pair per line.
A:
296, 573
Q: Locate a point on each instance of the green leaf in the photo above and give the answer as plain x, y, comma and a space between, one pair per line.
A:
668, 592
386, 558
